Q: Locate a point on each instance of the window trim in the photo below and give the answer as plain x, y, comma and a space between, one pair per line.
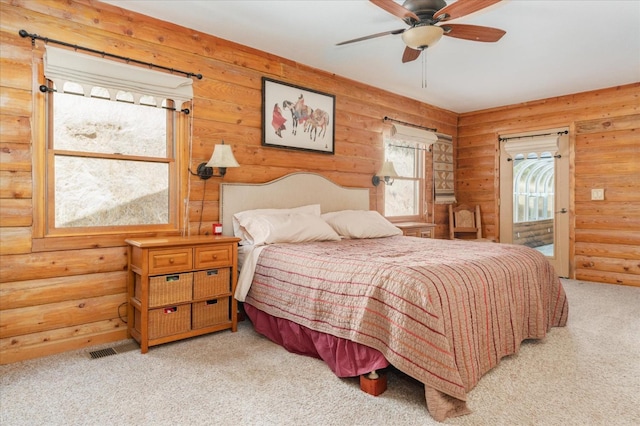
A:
421, 165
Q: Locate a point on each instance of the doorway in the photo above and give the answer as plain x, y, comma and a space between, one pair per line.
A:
534, 193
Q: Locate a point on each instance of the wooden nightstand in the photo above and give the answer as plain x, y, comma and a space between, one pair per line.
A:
180, 287
417, 229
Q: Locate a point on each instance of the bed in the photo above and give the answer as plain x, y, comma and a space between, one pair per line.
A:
444, 312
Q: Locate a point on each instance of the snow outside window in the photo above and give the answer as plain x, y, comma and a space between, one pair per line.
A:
110, 164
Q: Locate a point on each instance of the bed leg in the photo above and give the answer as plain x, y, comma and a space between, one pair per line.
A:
373, 383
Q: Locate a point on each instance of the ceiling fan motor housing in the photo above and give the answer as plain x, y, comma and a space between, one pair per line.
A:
422, 34
425, 9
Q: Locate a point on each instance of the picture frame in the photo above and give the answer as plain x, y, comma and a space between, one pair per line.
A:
294, 117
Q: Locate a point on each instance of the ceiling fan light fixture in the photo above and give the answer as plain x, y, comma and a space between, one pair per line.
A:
422, 36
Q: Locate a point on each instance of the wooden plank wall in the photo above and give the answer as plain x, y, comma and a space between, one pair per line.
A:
605, 153
63, 294
607, 233
58, 294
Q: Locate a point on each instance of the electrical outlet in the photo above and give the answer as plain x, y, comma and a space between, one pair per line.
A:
597, 194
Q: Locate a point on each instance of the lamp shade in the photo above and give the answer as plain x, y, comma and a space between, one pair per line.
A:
423, 36
387, 170
222, 157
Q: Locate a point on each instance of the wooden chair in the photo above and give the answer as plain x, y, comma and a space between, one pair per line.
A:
464, 219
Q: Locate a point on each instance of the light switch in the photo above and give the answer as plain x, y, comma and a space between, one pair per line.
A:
597, 194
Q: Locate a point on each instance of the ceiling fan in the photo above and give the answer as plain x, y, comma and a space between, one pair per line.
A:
428, 23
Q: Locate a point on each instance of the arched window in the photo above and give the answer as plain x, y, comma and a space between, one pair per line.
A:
533, 191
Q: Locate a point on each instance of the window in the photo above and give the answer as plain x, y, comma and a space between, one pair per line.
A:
405, 198
533, 187
102, 156
112, 146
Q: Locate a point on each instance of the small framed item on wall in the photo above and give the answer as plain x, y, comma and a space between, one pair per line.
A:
297, 118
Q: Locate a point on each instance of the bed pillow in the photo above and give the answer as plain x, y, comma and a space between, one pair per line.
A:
245, 239
361, 224
287, 228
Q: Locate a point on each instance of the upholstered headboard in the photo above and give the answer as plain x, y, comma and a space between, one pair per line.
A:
293, 190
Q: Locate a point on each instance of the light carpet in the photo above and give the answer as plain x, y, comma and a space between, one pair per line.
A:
587, 373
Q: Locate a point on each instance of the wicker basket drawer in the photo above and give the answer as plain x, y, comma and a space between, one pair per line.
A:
213, 282
167, 289
210, 312
166, 321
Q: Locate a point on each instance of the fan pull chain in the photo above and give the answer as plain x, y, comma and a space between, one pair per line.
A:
424, 68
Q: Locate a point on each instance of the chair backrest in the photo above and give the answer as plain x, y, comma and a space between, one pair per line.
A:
464, 219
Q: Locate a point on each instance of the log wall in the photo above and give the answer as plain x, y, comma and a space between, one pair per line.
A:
59, 294
604, 127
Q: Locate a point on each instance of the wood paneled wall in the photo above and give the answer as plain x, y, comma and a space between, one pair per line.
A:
58, 294
604, 128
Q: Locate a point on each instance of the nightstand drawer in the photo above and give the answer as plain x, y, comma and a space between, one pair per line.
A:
214, 256
411, 232
170, 260
212, 282
167, 289
210, 312
417, 229
165, 321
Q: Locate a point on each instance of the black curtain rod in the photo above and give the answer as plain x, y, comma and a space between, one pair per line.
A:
24, 33
412, 147
409, 124
566, 132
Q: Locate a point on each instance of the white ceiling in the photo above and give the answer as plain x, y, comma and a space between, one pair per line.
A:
552, 47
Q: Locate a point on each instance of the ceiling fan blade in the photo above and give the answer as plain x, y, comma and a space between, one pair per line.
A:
371, 36
473, 32
462, 8
410, 54
395, 9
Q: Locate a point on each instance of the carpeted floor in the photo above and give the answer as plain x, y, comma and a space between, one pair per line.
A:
587, 373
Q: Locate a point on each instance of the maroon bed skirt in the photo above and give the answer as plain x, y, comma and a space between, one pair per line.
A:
344, 357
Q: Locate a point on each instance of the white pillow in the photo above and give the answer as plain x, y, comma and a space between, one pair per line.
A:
287, 228
361, 224
239, 232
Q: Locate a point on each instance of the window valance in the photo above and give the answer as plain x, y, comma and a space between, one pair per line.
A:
422, 138
62, 65
535, 145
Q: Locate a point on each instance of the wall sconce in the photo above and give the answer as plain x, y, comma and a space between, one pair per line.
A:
221, 158
386, 174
